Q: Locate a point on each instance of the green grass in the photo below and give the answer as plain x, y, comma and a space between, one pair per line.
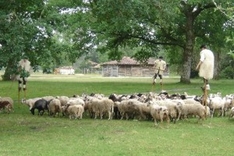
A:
24, 134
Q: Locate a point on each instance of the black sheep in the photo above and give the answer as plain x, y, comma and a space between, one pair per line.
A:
41, 105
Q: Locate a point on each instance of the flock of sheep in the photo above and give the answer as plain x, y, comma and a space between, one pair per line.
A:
149, 106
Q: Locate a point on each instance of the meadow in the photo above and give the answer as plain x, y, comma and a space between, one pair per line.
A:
25, 134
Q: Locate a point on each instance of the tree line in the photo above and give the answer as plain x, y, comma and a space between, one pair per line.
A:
57, 32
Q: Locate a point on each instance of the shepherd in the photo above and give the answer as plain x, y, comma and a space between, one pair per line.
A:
205, 67
160, 66
22, 75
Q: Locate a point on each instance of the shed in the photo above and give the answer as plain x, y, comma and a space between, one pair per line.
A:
128, 67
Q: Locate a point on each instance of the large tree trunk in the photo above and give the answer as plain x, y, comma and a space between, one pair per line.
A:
217, 65
186, 68
10, 71
188, 50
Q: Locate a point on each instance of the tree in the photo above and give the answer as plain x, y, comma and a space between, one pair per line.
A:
32, 28
149, 25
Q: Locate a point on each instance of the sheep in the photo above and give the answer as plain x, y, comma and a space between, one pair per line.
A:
159, 113
6, 103
192, 109
75, 101
217, 103
231, 114
228, 104
74, 111
81, 111
172, 107
29, 102
130, 108
63, 99
41, 105
48, 98
54, 107
116, 98
100, 106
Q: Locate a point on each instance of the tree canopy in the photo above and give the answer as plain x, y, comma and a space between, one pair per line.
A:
50, 32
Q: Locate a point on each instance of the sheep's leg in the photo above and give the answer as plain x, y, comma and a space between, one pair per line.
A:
122, 115
96, 114
110, 115
101, 114
155, 122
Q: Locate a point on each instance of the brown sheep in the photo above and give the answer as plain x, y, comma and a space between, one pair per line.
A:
6, 103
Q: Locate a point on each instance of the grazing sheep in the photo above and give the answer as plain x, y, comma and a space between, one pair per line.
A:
217, 104
80, 112
231, 113
54, 107
228, 104
7, 104
74, 111
100, 106
192, 109
41, 105
30, 102
115, 98
172, 107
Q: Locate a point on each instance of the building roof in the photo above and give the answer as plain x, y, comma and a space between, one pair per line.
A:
128, 61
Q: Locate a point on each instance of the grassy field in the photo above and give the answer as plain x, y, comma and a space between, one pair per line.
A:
24, 134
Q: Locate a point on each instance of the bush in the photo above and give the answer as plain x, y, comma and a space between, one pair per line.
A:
227, 73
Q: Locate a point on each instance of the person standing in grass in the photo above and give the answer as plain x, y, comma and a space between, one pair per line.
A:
205, 66
23, 73
159, 66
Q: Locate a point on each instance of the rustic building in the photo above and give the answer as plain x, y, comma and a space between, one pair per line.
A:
128, 67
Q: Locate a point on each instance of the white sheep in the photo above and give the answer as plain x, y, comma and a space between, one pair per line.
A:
29, 102
100, 106
131, 108
63, 99
231, 113
54, 107
192, 109
217, 104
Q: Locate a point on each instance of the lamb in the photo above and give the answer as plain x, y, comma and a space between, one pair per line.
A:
7, 104
54, 107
